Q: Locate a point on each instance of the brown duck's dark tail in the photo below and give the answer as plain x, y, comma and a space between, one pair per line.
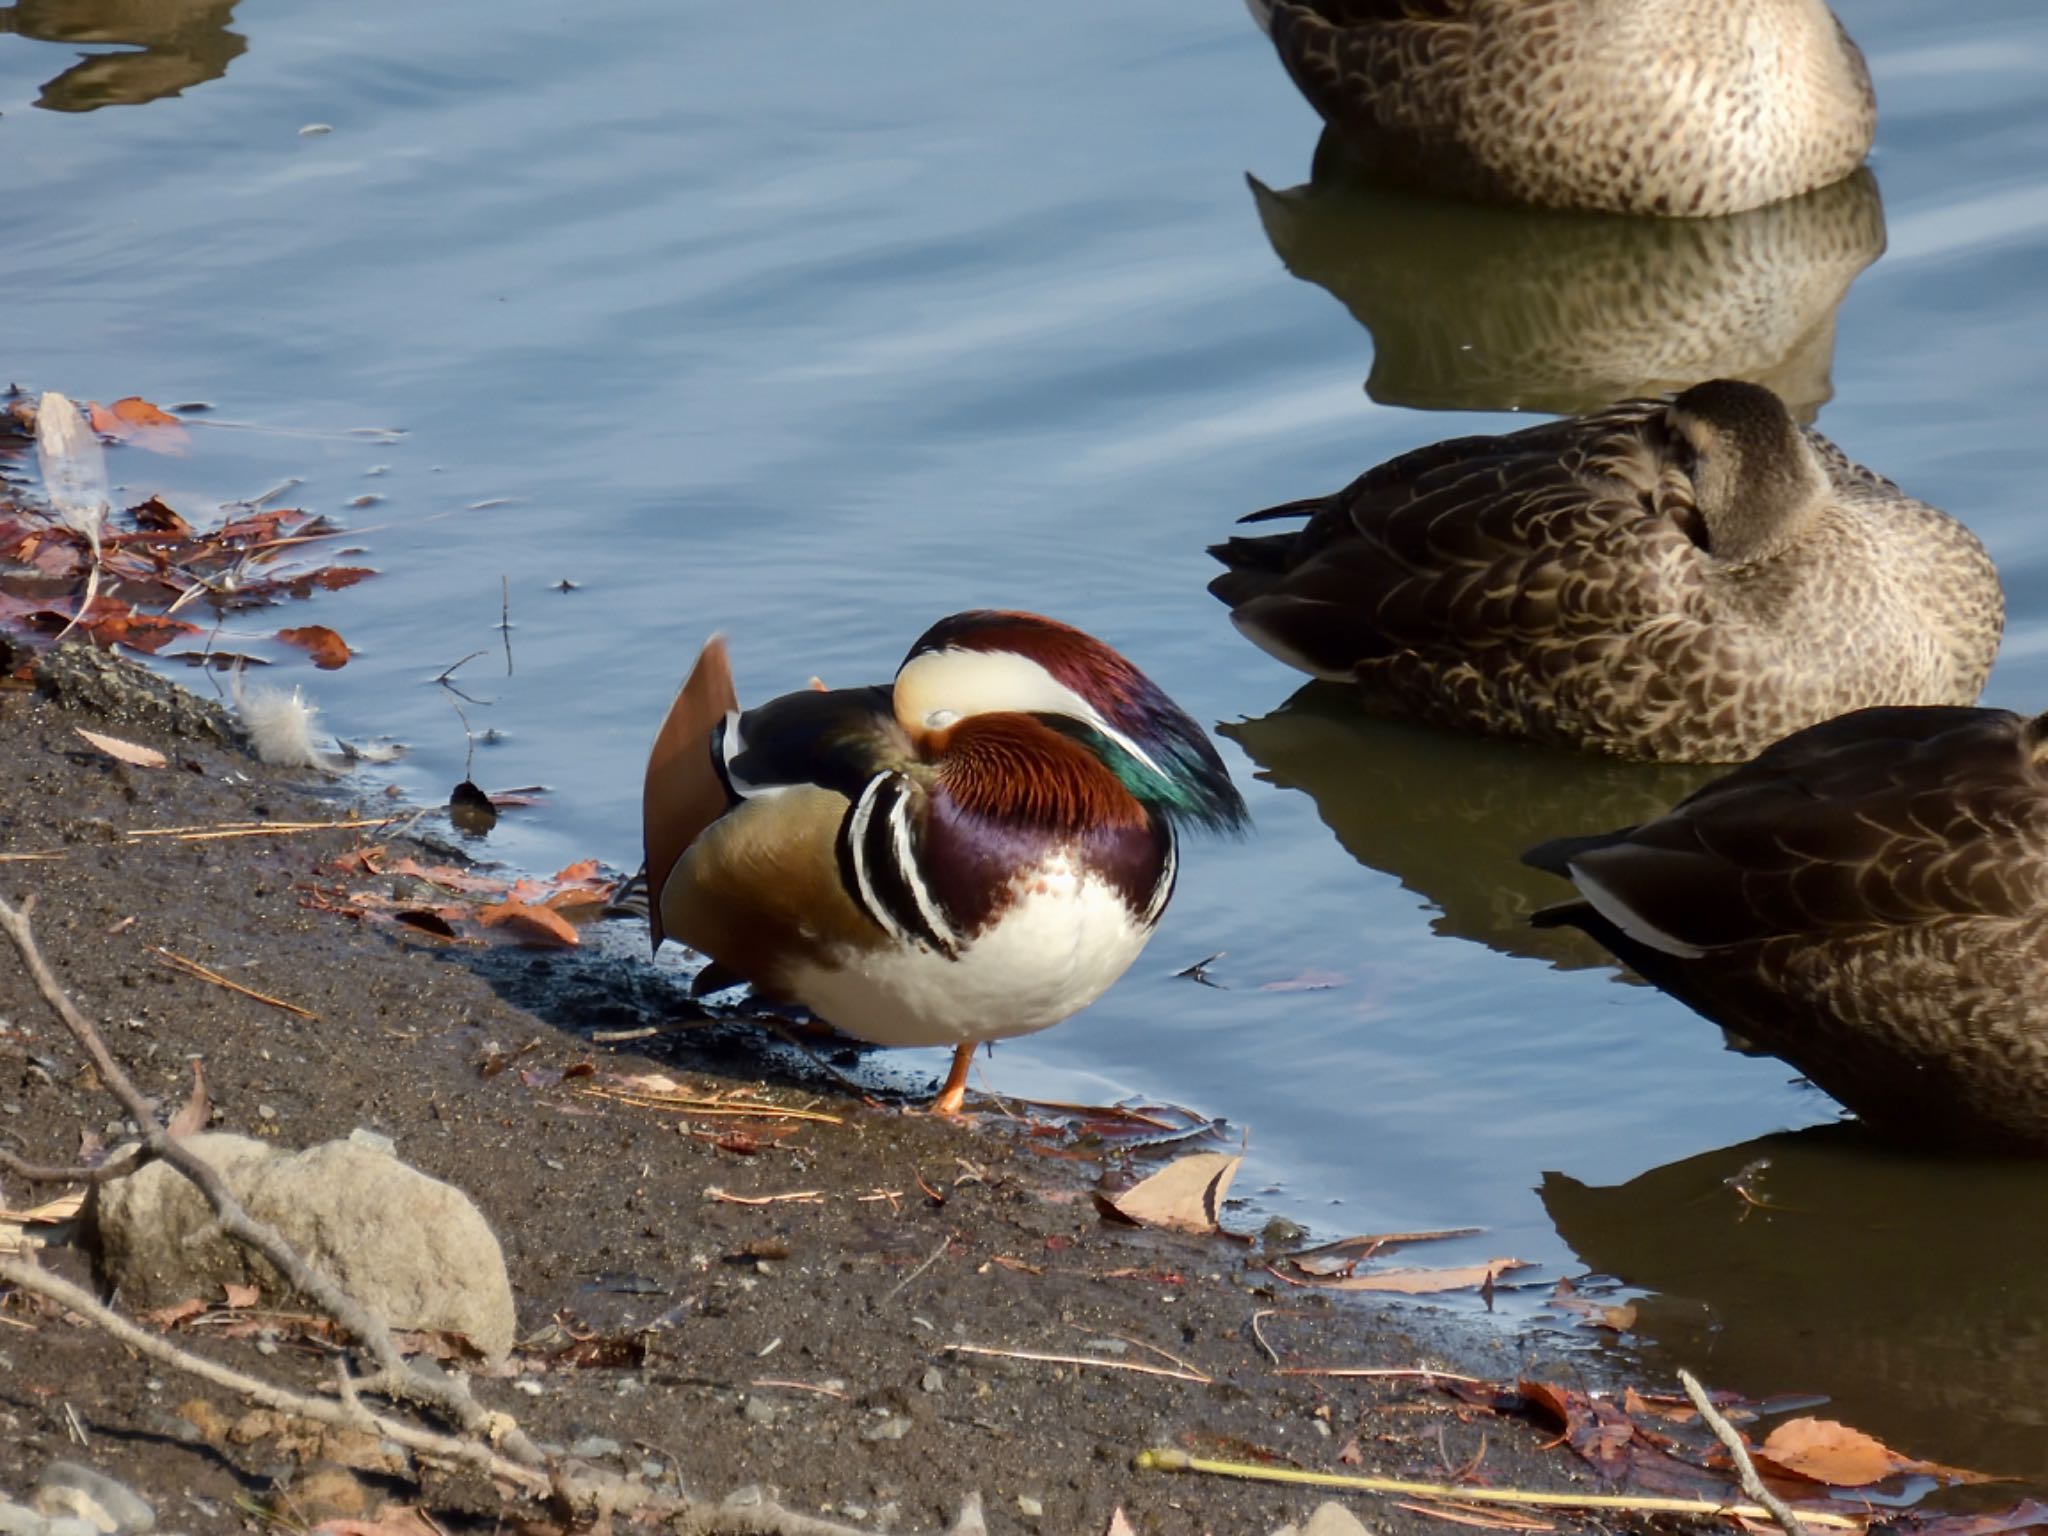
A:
1255, 560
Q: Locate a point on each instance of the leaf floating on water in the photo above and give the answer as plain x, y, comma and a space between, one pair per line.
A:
1184, 1196
1343, 1256
133, 419
328, 650
1824, 1451
133, 753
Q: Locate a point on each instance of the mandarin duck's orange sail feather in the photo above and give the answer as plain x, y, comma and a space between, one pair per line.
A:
683, 793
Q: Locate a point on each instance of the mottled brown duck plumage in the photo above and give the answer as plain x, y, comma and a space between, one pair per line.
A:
1867, 900
1672, 107
1684, 580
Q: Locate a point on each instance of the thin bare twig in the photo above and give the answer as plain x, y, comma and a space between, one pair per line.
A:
1097, 1361
933, 1258
347, 1414
448, 1395
123, 1163
194, 968
1745, 1469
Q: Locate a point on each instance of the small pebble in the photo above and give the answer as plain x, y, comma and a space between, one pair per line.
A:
265, 1112
895, 1427
107, 1506
527, 1385
1029, 1507
595, 1447
758, 1410
933, 1380
376, 1141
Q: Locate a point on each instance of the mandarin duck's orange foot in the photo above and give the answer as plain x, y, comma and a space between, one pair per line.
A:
954, 1093
990, 837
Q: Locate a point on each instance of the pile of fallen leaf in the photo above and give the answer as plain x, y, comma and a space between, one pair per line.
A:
461, 906
151, 577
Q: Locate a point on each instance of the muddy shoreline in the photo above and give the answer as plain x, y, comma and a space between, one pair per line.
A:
806, 1345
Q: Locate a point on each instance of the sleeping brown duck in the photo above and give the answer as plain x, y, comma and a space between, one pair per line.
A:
1867, 900
1685, 579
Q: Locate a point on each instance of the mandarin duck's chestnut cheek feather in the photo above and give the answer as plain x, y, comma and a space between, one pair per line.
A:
992, 660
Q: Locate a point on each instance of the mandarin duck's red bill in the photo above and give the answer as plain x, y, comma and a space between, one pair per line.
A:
973, 852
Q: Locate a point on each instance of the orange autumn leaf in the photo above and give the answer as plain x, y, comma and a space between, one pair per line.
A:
530, 925
327, 649
138, 631
133, 419
1824, 1451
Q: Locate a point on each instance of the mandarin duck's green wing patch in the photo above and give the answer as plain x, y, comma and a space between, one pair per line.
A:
837, 738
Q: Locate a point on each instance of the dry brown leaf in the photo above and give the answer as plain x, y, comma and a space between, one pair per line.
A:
530, 925
239, 1296
197, 1110
1415, 1282
177, 1312
133, 753
328, 650
1824, 1451
1184, 1196
134, 420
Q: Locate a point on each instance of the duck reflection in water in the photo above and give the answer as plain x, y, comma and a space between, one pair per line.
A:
1477, 308
182, 43
1448, 815
1912, 1290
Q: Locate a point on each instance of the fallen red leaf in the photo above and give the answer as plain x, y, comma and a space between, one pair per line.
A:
530, 925
147, 632
328, 650
158, 517
134, 420
1824, 1451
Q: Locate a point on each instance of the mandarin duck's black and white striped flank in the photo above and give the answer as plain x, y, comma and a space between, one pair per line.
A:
975, 851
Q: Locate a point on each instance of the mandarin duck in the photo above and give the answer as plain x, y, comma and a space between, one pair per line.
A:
1667, 107
1867, 900
975, 851
1685, 579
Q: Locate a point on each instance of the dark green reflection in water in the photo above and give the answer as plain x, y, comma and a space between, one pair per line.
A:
1912, 1290
183, 43
1481, 308
1448, 815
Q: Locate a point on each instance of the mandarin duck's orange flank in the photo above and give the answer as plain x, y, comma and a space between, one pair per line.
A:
972, 852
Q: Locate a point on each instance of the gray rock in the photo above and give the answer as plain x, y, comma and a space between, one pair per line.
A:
595, 1448
109, 1507
412, 1249
758, 1410
18, 1520
894, 1427
85, 677
1331, 1519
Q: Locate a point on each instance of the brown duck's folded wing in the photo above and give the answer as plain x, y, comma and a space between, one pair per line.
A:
1536, 536
1879, 818
1365, 58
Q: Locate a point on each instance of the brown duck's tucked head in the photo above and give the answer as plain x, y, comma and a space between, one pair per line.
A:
991, 663
1756, 479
